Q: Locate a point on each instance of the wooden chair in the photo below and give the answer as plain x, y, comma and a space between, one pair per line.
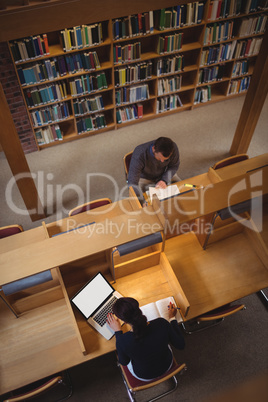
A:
89, 205
211, 318
230, 160
133, 385
21, 284
44, 388
126, 160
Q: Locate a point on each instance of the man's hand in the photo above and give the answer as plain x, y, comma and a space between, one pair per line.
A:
161, 184
113, 322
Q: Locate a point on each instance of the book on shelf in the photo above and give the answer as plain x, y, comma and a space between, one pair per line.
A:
170, 84
133, 25
80, 37
160, 309
181, 15
166, 103
169, 43
126, 53
49, 134
30, 48
168, 65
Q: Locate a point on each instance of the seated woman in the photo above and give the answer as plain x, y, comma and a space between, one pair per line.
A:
145, 349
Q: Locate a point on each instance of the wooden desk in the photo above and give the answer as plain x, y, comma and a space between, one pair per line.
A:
233, 266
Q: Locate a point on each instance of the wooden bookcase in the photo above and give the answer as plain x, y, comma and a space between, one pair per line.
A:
197, 83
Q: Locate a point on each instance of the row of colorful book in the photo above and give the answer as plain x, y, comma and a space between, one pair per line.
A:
226, 8
248, 47
88, 83
238, 86
128, 113
217, 54
132, 94
218, 32
80, 37
46, 94
52, 69
50, 114
178, 16
90, 123
240, 68
133, 73
167, 103
48, 134
169, 65
169, 43
133, 25
126, 53
167, 85
209, 74
253, 25
30, 48
202, 95
88, 105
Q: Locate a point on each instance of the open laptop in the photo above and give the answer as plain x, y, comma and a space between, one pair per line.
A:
95, 301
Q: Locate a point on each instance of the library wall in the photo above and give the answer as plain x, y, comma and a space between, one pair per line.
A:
15, 100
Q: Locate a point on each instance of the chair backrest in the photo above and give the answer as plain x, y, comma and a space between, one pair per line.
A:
221, 312
89, 205
10, 230
126, 160
230, 160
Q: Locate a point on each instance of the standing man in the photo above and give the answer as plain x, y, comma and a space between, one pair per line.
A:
153, 163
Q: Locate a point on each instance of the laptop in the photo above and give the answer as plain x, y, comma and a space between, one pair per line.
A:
95, 301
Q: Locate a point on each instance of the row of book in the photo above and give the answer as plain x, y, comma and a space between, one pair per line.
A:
48, 134
51, 69
129, 113
30, 48
47, 94
50, 114
169, 43
169, 65
253, 25
132, 94
238, 86
91, 123
167, 85
218, 32
133, 73
240, 68
133, 25
126, 53
88, 105
248, 47
80, 37
167, 103
209, 74
88, 83
226, 8
254, 5
202, 95
178, 16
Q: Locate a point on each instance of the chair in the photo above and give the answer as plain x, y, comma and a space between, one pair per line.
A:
40, 388
21, 284
211, 318
89, 205
10, 230
230, 160
133, 385
126, 160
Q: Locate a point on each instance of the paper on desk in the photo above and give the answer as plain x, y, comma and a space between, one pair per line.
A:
163, 193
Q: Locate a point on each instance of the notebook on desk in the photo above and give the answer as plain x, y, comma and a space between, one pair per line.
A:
95, 301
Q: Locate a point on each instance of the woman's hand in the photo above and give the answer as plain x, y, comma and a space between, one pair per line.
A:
172, 310
113, 322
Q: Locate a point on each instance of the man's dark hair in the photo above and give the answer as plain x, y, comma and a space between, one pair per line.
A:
164, 145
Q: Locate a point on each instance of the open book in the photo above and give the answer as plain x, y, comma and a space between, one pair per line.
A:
160, 309
163, 193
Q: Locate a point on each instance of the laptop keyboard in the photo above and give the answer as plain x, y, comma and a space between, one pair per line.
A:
101, 316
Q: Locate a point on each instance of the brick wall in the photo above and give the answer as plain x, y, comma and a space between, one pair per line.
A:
8, 79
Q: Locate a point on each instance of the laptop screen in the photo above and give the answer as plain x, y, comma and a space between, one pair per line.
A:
93, 295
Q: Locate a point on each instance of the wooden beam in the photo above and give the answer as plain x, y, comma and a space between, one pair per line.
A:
17, 161
253, 103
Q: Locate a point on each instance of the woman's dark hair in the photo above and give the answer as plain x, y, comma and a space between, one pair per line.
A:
127, 309
164, 145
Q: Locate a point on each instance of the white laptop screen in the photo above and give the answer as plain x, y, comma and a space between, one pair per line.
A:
93, 295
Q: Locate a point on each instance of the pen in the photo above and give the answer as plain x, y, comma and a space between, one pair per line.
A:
190, 185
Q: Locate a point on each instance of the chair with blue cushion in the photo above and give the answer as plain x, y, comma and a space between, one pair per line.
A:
21, 284
134, 385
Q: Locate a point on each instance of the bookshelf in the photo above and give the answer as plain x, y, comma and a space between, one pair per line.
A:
95, 77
